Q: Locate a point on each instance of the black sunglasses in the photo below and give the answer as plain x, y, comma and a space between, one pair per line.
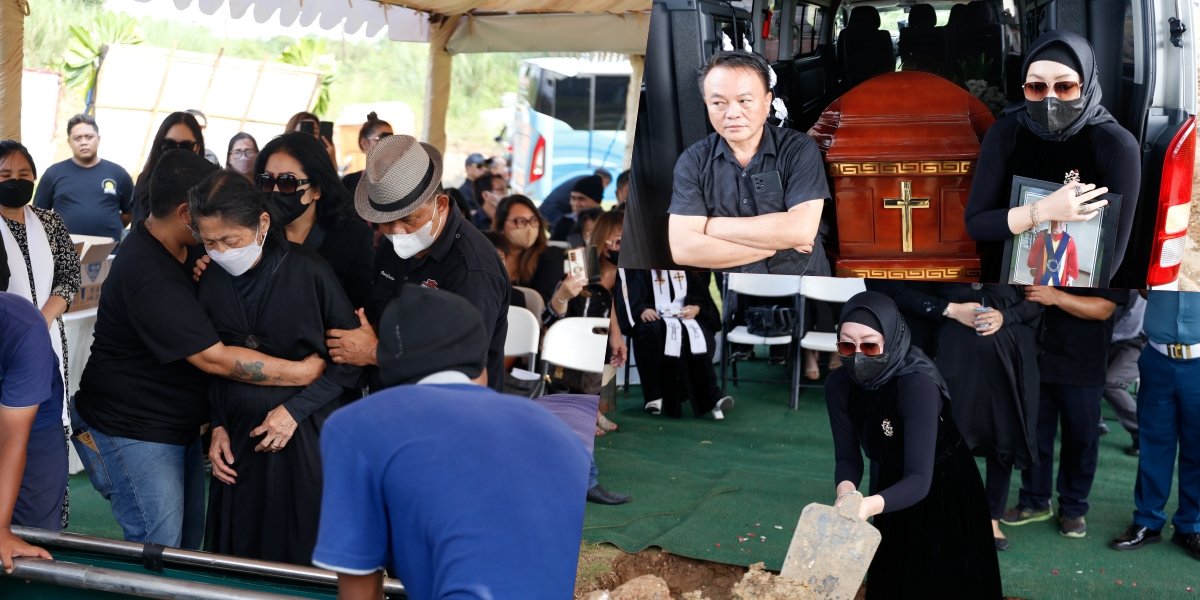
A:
286, 183
168, 144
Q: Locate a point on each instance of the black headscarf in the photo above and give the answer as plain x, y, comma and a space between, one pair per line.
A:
902, 357
1093, 113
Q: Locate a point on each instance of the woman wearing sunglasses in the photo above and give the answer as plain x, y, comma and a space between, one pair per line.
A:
308, 200
373, 130
1061, 133
178, 130
278, 298
889, 400
530, 261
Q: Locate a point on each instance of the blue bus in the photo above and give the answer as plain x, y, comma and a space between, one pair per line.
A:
570, 121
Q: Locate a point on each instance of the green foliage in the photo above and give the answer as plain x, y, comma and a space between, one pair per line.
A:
313, 53
974, 67
85, 50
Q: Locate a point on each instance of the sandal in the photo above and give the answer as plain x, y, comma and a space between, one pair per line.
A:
812, 370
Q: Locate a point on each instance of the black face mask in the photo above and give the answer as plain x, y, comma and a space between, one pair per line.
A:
867, 368
288, 207
612, 256
16, 193
1054, 114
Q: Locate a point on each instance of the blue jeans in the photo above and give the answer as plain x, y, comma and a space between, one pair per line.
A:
156, 490
1168, 413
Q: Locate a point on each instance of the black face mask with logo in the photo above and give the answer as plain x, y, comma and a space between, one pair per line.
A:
16, 193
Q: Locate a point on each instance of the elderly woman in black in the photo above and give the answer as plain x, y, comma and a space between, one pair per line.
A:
889, 400
278, 297
1061, 134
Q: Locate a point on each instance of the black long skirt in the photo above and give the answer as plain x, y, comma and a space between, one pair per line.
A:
273, 510
942, 546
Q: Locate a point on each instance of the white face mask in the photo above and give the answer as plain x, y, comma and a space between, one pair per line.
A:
407, 245
239, 260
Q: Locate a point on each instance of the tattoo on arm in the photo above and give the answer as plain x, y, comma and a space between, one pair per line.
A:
248, 371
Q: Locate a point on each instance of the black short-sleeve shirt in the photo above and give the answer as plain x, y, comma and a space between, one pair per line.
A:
137, 382
461, 261
709, 182
1075, 351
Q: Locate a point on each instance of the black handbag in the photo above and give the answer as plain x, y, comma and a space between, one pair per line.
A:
770, 321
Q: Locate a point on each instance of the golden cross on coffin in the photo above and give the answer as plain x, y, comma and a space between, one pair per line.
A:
906, 203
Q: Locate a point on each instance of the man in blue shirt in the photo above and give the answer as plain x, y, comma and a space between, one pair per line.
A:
462, 492
92, 195
33, 453
1168, 414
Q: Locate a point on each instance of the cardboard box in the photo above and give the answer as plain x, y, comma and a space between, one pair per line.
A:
95, 260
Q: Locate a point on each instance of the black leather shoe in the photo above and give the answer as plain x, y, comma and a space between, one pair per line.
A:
599, 495
1189, 541
1135, 536
1001, 544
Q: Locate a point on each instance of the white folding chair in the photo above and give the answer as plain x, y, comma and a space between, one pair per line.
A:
577, 343
761, 286
524, 334
558, 244
825, 289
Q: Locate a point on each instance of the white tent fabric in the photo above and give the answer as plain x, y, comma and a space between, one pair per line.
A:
351, 16
624, 33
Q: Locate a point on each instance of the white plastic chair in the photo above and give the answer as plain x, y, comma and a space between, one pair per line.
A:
524, 333
558, 244
577, 343
825, 289
761, 286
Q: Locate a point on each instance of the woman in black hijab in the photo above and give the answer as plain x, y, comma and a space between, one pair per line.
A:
1060, 133
926, 495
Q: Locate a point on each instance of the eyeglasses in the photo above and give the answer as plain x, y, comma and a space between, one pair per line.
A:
522, 222
170, 144
244, 153
286, 184
1063, 90
847, 349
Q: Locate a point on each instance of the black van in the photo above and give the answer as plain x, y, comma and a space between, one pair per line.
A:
1145, 49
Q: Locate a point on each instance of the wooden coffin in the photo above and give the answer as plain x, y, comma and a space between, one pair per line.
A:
900, 150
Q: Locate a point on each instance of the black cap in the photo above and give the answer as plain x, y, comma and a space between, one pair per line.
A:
591, 186
425, 331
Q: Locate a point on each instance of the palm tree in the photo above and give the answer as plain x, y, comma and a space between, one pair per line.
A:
87, 47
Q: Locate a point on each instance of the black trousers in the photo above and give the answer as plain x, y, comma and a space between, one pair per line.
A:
688, 377
1077, 409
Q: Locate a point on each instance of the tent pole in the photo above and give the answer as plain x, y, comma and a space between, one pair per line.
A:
12, 55
638, 64
437, 84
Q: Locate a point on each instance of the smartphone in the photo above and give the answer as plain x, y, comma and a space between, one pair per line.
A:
308, 127
327, 130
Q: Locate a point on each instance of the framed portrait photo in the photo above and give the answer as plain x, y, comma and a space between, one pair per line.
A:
1062, 254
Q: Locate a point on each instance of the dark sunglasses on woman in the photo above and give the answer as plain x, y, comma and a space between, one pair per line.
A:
286, 184
169, 144
1063, 90
868, 348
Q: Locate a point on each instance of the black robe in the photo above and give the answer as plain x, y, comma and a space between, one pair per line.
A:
994, 379
272, 512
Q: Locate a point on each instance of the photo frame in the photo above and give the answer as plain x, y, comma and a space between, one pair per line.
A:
1039, 256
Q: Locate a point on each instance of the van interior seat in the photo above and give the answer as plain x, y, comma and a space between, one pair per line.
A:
922, 42
980, 34
864, 49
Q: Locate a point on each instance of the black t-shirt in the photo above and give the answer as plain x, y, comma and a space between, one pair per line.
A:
1106, 155
1074, 350
709, 182
461, 261
138, 383
90, 200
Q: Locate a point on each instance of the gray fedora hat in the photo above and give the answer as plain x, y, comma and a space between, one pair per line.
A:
401, 175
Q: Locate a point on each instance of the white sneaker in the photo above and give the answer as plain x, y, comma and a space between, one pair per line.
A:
725, 403
717, 415
654, 407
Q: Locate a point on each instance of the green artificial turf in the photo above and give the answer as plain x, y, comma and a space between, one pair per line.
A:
732, 492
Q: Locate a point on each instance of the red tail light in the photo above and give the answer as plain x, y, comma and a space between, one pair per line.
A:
1174, 207
537, 168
